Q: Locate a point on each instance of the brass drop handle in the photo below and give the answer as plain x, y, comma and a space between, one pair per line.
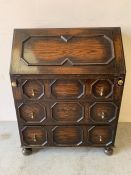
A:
32, 115
102, 115
120, 82
34, 138
100, 138
14, 84
101, 92
33, 92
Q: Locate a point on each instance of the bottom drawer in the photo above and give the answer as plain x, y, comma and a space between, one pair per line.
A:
38, 136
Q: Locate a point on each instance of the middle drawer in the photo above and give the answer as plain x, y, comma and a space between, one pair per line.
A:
66, 112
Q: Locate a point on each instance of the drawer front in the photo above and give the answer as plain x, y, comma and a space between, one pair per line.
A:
67, 136
67, 89
66, 112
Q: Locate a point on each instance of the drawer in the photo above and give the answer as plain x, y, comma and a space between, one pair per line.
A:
67, 89
67, 112
67, 135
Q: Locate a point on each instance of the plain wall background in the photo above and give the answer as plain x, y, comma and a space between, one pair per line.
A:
60, 13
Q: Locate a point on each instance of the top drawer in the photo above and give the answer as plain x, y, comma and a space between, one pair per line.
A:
66, 89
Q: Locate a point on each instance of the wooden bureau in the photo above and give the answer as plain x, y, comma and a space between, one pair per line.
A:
67, 86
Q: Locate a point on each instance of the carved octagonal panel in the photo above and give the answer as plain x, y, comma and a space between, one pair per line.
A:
34, 136
103, 112
32, 112
76, 50
67, 135
67, 112
100, 135
67, 89
33, 89
102, 88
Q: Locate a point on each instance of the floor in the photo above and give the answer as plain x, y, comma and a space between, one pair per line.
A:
64, 161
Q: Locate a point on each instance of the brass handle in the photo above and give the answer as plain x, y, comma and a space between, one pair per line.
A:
33, 92
102, 115
32, 115
34, 138
120, 82
100, 138
14, 84
101, 92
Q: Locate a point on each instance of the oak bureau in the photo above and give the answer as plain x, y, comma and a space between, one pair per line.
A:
67, 85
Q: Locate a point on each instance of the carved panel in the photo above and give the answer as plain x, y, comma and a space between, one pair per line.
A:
34, 135
32, 112
67, 112
103, 112
100, 135
67, 89
102, 88
76, 50
67, 135
33, 89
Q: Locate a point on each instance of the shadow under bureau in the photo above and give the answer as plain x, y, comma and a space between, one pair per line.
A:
67, 86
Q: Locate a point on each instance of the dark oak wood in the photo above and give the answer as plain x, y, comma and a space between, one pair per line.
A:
103, 112
67, 51
67, 86
79, 135
32, 112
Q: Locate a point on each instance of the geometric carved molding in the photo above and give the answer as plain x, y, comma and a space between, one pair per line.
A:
67, 135
32, 112
67, 112
103, 112
76, 50
101, 135
67, 89
33, 89
34, 135
102, 88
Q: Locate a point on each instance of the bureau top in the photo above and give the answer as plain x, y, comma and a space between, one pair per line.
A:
68, 51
